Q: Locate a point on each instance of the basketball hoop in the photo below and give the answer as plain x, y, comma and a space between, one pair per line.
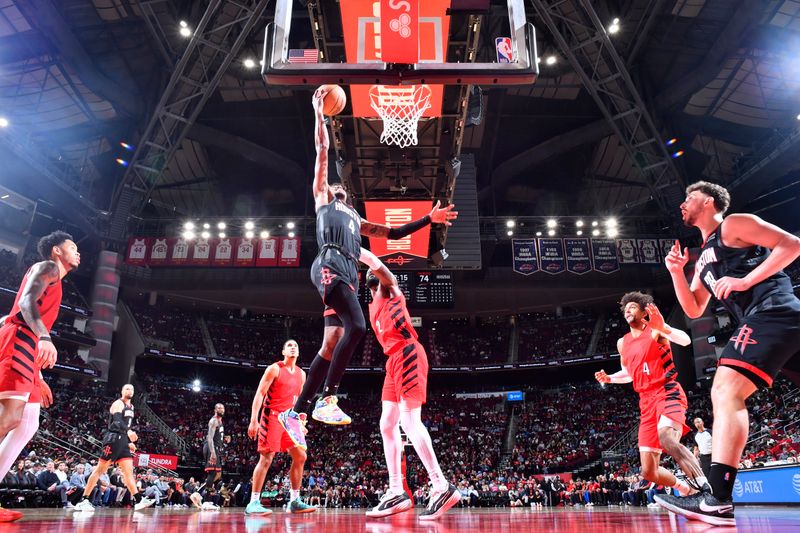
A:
400, 108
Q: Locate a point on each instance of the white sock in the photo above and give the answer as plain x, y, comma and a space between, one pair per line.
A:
392, 445
255, 496
411, 420
17, 438
701, 480
681, 487
294, 495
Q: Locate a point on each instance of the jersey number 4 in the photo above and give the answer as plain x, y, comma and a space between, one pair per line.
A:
352, 227
646, 369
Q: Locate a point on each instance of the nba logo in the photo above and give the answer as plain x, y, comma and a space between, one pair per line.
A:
504, 52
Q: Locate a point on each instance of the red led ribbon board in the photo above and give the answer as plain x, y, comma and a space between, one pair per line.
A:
410, 252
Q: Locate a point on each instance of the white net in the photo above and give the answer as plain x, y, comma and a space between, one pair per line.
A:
400, 108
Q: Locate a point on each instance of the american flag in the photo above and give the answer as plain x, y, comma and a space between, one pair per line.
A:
303, 56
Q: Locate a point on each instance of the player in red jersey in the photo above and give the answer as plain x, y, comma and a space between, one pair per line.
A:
646, 360
277, 391
404, 392
26, 348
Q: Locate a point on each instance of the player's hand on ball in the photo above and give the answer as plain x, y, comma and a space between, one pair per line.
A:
676, 260
252, 428
132, 436
602, 377
443, 215
47, 394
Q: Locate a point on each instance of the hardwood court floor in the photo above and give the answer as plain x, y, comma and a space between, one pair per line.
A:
596, 520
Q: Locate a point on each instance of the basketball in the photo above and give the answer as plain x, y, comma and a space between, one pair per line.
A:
334, 101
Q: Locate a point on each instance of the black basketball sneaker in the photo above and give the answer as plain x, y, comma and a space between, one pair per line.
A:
440, 502
702, 506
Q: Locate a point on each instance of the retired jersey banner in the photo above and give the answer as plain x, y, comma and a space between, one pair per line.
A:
551, 253
201, 252
137, 251
604, 255
410, 252
159, 252
578, 259
627, 251
178, 251
526, 260
648, 251
665, 246
409, 31
267, 252
245, 253
222, 252
290, 252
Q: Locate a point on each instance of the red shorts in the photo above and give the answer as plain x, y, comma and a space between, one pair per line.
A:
406, 375
19, 375
669, 402
271, 435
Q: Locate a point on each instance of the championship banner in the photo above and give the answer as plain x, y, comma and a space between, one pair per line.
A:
178, 251
201, 252
159, 250
665, 245
604, 255
267, 252
222, 252
526, 260
577, 251
410, 252
137, 251
627, 251
245, 253
152, 460
290, 252
372, 27
648, 251
551, 252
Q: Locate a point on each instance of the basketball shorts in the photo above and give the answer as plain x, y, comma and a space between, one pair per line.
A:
271, 435
19, 375
406, 375
217, 466
669, 402
115, 447
332, 267
331, 318
764, 343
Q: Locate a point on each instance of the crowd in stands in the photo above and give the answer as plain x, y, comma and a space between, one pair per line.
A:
175, 326
11, 274
548, 336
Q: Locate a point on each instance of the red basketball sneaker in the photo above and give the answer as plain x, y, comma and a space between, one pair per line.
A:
7, 515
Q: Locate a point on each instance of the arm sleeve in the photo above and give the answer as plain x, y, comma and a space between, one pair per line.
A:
407, 229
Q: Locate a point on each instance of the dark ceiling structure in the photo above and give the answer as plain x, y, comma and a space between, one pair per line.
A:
210, 139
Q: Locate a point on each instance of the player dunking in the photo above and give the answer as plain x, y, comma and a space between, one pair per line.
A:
646, 360
26, 347
335, 275
404, 392
741, 264
212, 447
118, 447
277, 391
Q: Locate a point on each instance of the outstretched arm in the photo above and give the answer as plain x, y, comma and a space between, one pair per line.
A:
384, 275
618, 377
438, 215
322, 143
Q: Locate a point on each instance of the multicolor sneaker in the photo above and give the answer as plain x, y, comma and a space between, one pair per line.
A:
390, 504
702, 506
298, 506
293, 424
255, 508
327, 411
440, 502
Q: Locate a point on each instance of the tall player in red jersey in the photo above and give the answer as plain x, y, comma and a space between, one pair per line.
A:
277, 391
646, 360
404, 392
26, 347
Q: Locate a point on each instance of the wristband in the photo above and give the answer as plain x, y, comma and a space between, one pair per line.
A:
45, 338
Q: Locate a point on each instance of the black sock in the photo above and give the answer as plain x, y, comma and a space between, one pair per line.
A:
721, 477
210, 480
137, 497
345, 302
316, 375
85, 497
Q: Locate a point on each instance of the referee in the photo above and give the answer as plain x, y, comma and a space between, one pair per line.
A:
703, 449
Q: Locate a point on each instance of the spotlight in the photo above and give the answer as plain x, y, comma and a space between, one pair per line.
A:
249, 225
4, 196
798, 118
579, 233
612, 232
290, 225
264, 234
121, 162
672, 141
183, 24
249, 234
206, 225
188, 235
205, 235
291, 235
611, 222
510, 223
579, 223
595, 232
538, 233
221, 225
551, 223
509, 233
127, 146
4, 122
614, 27
184, 31
677, 154
249, 63
550, 60
221, 234
188, 226
594, 223
551, 232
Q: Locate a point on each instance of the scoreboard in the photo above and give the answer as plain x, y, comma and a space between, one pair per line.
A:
421, 289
